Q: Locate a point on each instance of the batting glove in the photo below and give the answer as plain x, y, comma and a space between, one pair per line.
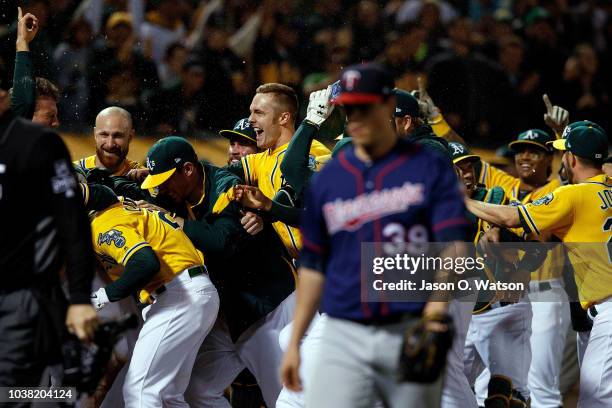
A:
319, 107
555, 117
99, 299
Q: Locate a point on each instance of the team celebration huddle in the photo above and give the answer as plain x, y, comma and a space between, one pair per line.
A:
266, 278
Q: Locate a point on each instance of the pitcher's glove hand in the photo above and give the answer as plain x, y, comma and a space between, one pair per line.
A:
424, 349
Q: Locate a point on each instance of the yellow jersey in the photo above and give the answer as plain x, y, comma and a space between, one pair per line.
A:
119, 231
263, 170
550, 268
580, 215
491, 176
88, 163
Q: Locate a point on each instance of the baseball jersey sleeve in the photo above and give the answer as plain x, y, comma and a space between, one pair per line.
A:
249, 166
553, 212
448, 220
119, 242
315, 239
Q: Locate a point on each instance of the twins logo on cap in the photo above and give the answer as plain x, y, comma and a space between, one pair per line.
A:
350, 79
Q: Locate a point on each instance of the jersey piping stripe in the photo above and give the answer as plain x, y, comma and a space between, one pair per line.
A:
529, 220
275, 167
247, 170
292, 238
483, 173
132, 251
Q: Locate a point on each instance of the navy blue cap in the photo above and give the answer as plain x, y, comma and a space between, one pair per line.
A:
405, 104
364, 84
243, 129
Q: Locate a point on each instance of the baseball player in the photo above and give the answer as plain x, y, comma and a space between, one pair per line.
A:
409, 123
533, 162
256, 300
242, 141
457, 391
273, 113
113, 133
144, 249
32, 97
577, 213
341, 213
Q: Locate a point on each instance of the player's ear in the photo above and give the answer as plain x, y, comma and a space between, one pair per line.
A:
408, 122
284, 118
188, 168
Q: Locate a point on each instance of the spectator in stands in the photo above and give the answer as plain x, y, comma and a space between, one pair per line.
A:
182, 109
119, 74
71, 59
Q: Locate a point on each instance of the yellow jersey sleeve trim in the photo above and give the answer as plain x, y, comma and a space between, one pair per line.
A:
223, 201
247, 170
85, 191
528, 219
133, 250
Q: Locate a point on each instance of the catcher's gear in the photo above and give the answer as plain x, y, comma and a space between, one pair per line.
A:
99, 299
424, 350
555, 117
319, 108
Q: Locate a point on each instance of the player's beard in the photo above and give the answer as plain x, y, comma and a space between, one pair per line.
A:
113, 159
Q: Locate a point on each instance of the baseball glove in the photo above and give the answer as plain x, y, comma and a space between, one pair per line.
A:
424, 350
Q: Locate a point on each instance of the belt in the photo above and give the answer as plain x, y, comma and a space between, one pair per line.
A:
388, 319
193, 272
592, 312
540, 286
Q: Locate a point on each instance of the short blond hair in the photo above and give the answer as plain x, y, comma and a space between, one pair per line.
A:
285, 95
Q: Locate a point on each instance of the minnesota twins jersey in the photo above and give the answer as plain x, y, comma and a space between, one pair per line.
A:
263, 170
409, 195
579, 214
121, 230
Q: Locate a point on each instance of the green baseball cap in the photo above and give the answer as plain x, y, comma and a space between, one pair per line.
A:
164, 157
243, 129
534, 137
405, 104
588, 142
460, 152
573, 125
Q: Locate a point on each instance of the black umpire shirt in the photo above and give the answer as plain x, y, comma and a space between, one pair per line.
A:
44, 224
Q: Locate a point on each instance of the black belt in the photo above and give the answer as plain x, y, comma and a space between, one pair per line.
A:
388, 319
592, 312
193, 272
544, 286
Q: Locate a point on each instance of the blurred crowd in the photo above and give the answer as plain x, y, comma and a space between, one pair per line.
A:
189, 66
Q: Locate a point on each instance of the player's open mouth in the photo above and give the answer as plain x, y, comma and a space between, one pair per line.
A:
526, 167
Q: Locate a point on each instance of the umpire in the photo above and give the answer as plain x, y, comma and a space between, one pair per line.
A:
44, 227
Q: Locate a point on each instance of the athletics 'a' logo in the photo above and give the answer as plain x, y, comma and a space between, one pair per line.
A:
530, 135
150, 164
457, 148
112, 237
